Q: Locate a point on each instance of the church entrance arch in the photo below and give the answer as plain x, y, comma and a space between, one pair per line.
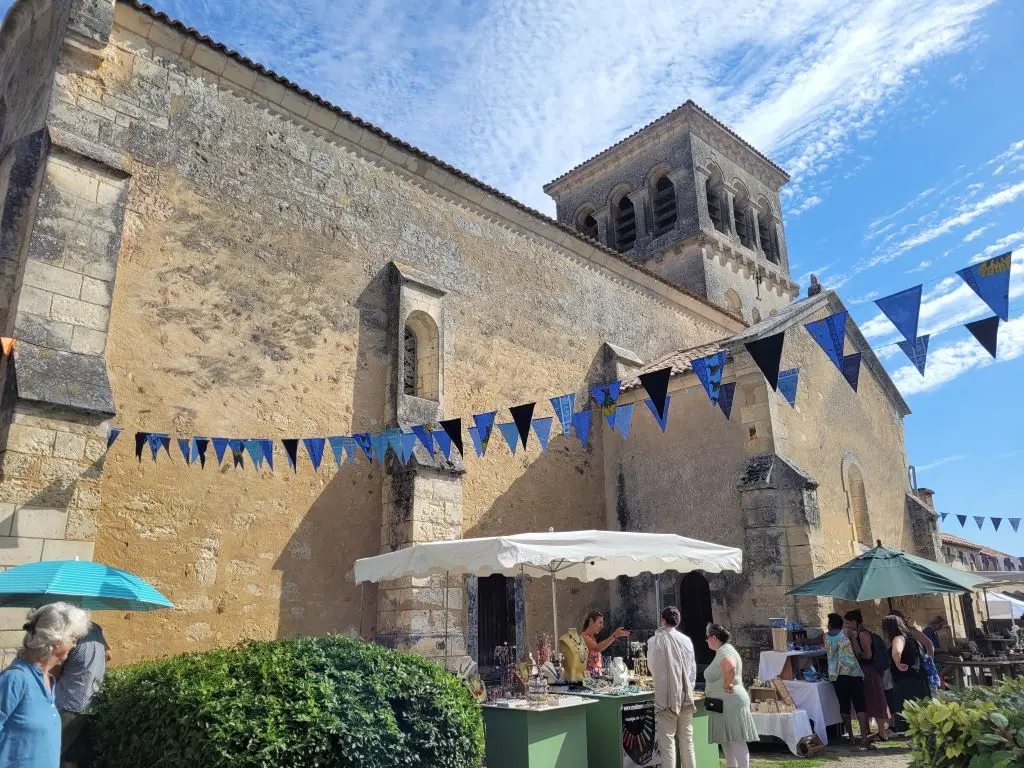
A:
695, 609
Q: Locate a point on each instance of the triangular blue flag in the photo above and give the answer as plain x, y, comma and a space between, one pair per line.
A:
725, 395
365, 442
156, 442
112, 435
962, 519
663, 419
788, 381
1015, 523
851, 369
194, 450
944, 515
542, 429
237, 456
395, 442
409, 440
380, 447
830, 333
255, 450
624, 419
315, 449
425, 437
511, 434
337, 444
444, 442
991, 281
351, 446
564, 405
185, 446
484, 424
996, 522
709, 370
267, 451
917, 351
474, 435
581, 424
979, 520
220, 445
607, 396
903, 310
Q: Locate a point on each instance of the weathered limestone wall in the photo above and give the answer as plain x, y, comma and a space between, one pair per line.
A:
252, 298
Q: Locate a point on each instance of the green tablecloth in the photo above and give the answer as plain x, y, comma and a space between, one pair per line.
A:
604, 731
553, 737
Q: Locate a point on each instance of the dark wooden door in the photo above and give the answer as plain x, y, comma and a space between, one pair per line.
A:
695, 609
495, 616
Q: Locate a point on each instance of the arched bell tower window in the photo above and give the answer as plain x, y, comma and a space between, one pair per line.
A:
743, 215
664, 206
586, 224
767, 232
716, 204
421, 357
625, 224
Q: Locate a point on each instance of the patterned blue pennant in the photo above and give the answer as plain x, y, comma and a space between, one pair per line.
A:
830, 333
788, 381
991, 281
917, 351
709, 370
564, 406
606, 396
365, 442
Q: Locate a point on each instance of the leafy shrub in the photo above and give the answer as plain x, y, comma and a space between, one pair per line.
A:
976, 727
331, 702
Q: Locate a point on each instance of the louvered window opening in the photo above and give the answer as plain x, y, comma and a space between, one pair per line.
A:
743, 226
664, 207
715, 207
409, 364
625, 225
588, 226
768, 244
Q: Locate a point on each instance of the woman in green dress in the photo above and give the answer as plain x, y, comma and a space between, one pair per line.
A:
734, 726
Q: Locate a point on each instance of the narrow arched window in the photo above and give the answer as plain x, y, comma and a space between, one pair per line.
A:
625, 224
716, 209
744, 217
587, 225
664, 206
859, 506
409, 363
769, 240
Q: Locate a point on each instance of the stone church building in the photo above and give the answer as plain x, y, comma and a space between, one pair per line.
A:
193, 245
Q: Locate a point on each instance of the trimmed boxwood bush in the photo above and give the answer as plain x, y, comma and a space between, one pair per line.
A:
331, 702
976, 727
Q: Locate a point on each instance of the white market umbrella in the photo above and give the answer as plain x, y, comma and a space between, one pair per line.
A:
580, 555
1000, 606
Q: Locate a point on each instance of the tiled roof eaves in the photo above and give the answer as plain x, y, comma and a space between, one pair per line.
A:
962, 543
416, 151
688, 104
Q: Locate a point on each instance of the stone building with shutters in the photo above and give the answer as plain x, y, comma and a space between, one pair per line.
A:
193, 245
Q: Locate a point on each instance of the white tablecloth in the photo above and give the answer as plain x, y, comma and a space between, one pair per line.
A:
770, 663
788, 726
819, 701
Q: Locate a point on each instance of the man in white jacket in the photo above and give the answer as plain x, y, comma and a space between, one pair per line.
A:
673, 665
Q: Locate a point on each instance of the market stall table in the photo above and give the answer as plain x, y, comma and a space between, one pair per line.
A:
978, 671
772, 664
820, 703
788, 726
537, 737
614, 714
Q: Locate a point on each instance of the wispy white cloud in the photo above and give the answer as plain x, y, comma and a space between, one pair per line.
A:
920, 267
865, 298
1002, 245
974, 234
947, 362
804, 205
940, 462
519, 91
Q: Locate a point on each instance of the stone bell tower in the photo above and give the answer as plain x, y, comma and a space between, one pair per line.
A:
689, 199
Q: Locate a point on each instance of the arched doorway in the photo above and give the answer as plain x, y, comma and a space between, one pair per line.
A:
695, 608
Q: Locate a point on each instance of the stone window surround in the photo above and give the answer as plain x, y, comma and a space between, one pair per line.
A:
758, 211
849, 463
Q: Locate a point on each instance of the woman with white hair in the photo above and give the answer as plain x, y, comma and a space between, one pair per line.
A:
29, 722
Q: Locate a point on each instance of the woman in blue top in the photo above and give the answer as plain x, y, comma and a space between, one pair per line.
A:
29, 722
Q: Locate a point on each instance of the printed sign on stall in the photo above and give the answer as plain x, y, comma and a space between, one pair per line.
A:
638, 742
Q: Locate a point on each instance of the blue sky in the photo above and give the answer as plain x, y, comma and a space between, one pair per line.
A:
900, 121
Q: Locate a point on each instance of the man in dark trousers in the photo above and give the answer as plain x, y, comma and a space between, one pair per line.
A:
80, 678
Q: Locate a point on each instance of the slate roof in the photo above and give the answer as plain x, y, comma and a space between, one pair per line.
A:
413, 150
689, 104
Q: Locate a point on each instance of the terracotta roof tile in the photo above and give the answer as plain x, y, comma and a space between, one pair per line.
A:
688, 104
958, 542
245, 61
680, 362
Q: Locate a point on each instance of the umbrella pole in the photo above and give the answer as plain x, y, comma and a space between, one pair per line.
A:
554, 612
657, 596
988, 615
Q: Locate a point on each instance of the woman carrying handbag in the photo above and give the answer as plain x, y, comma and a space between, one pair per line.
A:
726, 700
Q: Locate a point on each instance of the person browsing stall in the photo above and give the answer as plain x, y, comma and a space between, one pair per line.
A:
592, 625
673, 665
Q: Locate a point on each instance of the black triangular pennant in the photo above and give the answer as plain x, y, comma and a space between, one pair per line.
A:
141, 438
767, 353
291, 449
201, 445
656, 384
962, 519
996, 521
986, 332
453, 428
522, 415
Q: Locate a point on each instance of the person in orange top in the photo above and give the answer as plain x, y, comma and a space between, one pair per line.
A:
592, 625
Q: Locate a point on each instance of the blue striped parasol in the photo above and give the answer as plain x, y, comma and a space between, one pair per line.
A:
93, 586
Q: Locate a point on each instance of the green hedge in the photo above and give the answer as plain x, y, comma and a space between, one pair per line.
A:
976, 727
331, 702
